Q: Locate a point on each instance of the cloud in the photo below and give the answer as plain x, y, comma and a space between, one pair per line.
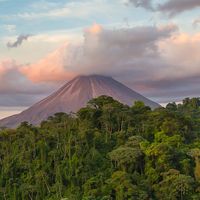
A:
44, 5
95, 29
19, 41
51, 10
169, 7
50, 68
55, 13
16, 89
174, 7
147, 4
102, 51
178, 73
156, 61
174, 89
9, 27
196, 22
6, 66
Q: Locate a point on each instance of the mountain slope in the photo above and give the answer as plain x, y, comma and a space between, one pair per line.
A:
75, 95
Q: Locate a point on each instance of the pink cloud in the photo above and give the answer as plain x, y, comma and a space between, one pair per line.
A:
63, 63
50, 68
94, 29
181, 52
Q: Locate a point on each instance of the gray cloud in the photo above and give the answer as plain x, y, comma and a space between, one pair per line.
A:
170, 7
174, 7
171, 89
114, 50
147, 4
19, 100
19, 41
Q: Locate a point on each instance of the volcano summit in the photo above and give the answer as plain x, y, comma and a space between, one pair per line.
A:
75, 95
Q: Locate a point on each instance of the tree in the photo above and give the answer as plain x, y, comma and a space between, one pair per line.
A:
121, 187
174, 186
195, 153
128, 157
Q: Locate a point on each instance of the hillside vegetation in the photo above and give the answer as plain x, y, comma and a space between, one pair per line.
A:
107, 151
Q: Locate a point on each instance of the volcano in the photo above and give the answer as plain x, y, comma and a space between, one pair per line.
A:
75, 95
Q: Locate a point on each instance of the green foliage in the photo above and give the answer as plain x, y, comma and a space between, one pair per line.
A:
175, 185
107, 151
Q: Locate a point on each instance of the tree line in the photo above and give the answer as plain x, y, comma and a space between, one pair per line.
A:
106, 151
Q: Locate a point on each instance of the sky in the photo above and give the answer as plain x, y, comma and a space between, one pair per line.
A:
152, 46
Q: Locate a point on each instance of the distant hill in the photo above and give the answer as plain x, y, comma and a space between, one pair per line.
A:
75, 95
